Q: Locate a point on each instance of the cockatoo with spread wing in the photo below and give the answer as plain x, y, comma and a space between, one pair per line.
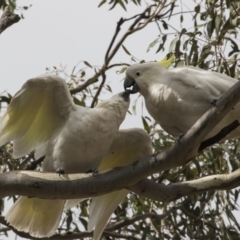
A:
72, 138
127, 147
176, 98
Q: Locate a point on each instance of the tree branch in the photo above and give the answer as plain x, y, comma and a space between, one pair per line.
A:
7, 19
129, 221
99, 90
84, 85
50, 185
166, 193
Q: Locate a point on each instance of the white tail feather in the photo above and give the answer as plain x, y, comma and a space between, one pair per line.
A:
101, 209
39, 217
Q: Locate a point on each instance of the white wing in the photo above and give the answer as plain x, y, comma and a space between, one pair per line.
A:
211, 84
128, 146
188, 96
35, 113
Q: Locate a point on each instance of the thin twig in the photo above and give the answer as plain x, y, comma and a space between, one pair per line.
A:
117, 30
83, 86
129, 221
174, 14
99, 89
118, 65
120, 236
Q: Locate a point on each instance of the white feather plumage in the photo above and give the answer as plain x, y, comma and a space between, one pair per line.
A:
178, 97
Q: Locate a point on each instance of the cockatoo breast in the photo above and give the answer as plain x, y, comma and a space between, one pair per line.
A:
74, 153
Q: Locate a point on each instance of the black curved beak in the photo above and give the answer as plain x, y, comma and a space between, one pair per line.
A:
130, 82
125, 95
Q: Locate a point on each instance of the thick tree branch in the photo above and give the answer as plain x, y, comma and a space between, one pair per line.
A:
7, 19
50, 185
161, 192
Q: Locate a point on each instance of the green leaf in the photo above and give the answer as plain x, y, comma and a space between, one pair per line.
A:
233, 45
204, 15
122, 4
218, 22
78, 102
108, 88
5, 99
181, 18
182, 32
122, 70
172, 44
210, 27
87, 64
152, 44
82, 74
197, 9
101, 3
196, 163
177, 48
161, 46
165, 26
125, 50
145, 125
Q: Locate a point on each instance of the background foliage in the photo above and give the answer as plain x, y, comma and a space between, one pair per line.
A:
208, 38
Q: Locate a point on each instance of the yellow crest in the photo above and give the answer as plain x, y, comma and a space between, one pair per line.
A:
166, 62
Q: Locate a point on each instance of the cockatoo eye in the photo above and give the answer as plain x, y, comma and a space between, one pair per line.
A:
138, 74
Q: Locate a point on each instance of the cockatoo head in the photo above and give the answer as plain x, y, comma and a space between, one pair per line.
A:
118, 104
140, 76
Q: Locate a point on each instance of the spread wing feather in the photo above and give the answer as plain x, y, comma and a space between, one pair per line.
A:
35, 113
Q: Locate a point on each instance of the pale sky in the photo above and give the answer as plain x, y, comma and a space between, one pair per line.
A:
65, 32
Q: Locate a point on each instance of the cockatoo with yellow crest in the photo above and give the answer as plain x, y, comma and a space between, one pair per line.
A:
72, 138
176, 98
127, 147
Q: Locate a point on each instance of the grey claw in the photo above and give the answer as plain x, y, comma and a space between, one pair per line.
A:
180, 137
94, 171
214, 102
60, 171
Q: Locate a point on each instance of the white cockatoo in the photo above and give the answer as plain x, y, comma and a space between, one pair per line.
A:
127, 147
176, 98
72, 138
